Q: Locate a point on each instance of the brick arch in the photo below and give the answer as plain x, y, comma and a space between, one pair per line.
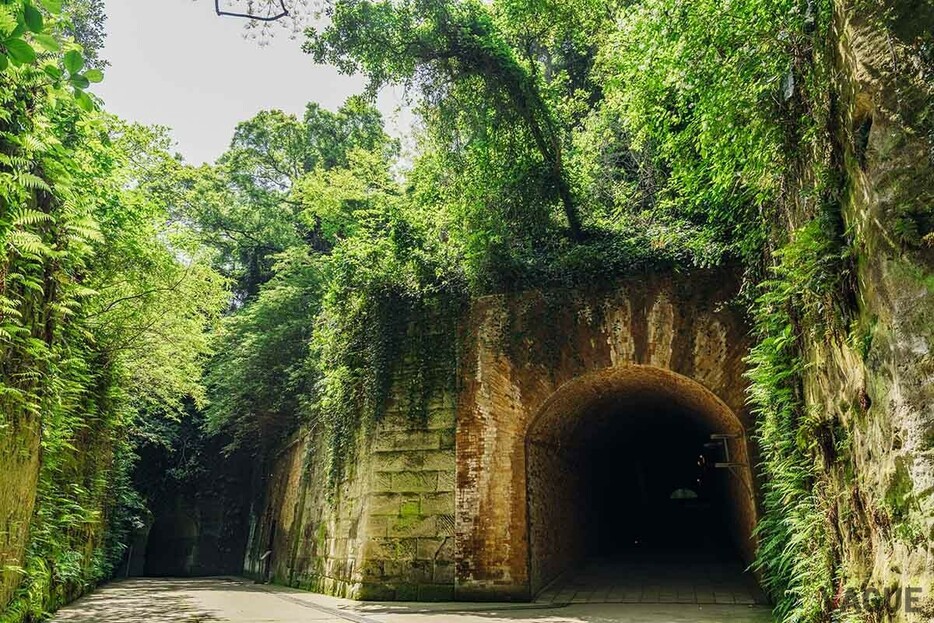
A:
573, 420
596, 391
519, 350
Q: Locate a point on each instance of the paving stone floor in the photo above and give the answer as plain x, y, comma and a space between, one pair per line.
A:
693, 582
234, 600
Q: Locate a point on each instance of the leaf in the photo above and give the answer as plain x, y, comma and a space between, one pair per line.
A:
74, 62
94, 75
7, 22
33, 18
32, 182
52, 72
52, 6
47, 43
4, 62
84, 101
25, 216
80, 81
27, 243
20, 51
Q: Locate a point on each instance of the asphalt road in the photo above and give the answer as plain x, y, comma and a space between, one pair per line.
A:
233, 600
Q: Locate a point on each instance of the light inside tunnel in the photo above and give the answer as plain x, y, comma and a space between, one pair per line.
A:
622, 465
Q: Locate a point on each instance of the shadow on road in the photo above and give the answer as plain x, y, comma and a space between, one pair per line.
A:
147, 600
235, 600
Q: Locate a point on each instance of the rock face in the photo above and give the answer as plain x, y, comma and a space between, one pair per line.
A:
466, 503
19, 464
880, 381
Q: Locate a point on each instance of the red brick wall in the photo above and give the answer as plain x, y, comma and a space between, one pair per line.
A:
520, 349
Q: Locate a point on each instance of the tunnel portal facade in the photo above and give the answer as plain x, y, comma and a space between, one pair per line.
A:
601, 425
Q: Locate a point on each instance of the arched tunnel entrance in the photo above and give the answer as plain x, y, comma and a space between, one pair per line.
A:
170, 548
639, 483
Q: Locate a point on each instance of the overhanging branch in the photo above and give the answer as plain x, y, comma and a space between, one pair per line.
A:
284, 12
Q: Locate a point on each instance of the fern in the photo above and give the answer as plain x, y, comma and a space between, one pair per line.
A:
28, 244
23, 217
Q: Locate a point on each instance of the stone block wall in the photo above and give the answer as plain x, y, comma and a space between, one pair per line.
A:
409, 549
386, 531
436, 508
302, 533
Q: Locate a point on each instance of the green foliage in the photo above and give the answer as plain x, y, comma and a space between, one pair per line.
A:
258, 377
85, 25
472, 81
102, 318
561, 143
323, 336
700, 87
387, 307
23, 29
796, 552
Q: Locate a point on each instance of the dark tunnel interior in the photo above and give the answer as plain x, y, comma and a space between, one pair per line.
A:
652, 490
631, 478
170, 547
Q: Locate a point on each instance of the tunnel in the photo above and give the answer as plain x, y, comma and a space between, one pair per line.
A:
170, 548
638, 471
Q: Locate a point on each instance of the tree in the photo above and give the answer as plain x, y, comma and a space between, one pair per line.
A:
86, 25
102, 321
449, 49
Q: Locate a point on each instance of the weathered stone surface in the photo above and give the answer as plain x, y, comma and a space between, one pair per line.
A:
442, 591
557, 354
413, 526
414, 460
414, 482
408, 440
19, 462
438, 503
879, 388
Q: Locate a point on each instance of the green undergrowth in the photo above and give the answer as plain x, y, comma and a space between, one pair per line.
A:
101, 320
797, 552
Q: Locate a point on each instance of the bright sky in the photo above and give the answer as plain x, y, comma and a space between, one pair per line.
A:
175, 63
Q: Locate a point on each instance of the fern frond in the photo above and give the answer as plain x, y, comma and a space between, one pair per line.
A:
27, 243
32, 182
26, 216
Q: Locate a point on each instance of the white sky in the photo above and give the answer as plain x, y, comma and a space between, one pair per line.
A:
175, 63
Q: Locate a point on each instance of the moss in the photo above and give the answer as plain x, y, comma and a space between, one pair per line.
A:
862, 332
321, 538
409, 509
899, 501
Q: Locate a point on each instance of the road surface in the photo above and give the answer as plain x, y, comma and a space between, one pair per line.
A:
233, 600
